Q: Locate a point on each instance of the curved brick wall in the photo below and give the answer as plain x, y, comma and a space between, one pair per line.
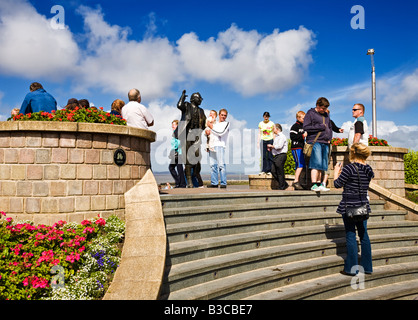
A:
51, 171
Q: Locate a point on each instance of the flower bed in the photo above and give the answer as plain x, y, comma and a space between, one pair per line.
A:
91, 115
373, 141
62, 261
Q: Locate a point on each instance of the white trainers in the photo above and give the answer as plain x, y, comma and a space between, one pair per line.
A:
315, 188
321, 188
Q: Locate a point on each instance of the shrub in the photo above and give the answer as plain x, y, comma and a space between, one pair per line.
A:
289, 165
62, 261
411, 167
91, 115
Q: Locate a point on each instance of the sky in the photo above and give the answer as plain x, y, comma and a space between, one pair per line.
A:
246, 56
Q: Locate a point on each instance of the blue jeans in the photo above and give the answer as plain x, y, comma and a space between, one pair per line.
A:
217, 162
351, 243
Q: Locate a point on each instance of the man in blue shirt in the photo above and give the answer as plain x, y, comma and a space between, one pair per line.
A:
38, 100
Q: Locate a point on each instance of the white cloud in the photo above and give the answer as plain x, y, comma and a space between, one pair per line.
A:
400, 95
30, 47
396, 135
393, 92
251, 63
117, 64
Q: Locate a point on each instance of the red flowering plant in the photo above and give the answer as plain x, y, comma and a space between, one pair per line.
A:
373, 141
91, 115
29, 255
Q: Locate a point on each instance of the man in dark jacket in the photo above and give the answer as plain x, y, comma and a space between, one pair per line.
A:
318, 126
38, 100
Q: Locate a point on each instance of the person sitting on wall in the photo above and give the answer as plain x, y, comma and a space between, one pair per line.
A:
38, 100
116, 108
84, 103
136, 114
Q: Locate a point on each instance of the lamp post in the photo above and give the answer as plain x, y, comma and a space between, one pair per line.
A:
370, 53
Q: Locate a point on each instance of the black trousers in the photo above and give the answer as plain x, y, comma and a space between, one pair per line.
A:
178, 175
277, 170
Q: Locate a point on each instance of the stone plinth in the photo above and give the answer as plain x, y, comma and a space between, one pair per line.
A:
387, 164
54, 170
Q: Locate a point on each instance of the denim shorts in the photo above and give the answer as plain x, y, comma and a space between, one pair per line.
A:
319, 157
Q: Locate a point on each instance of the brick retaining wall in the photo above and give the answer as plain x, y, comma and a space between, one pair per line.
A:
67, 169
387, 164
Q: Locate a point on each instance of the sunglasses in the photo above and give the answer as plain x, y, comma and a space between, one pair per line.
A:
356, 109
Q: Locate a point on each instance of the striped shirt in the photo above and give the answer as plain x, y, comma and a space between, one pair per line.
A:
349, 179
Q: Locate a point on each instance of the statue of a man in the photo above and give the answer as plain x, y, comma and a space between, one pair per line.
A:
191, 126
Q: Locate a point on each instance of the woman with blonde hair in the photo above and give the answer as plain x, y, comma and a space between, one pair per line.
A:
355, 179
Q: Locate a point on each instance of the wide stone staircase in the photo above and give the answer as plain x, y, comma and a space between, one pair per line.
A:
280, 245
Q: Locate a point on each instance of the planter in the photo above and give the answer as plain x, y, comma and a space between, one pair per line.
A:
52, 171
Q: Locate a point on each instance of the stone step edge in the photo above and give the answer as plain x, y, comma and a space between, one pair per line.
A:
211, 264
307, 288
174, 228
255, 206
226, 240
223, 286
253, 194
387, 292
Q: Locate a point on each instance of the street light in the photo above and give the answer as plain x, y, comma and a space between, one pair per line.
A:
370, 53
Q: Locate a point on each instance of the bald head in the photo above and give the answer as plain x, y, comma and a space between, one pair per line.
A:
134, 95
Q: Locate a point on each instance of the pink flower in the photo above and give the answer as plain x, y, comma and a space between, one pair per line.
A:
101, 222
9, 219
88, 229
2, 213
73, 257
85, 222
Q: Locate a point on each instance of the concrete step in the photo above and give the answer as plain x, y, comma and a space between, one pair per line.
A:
400, 290
194, 272
336, 286
226, 244
209, 199
281, 277
246, 244
187, 231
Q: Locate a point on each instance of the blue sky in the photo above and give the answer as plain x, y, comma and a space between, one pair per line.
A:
246, 56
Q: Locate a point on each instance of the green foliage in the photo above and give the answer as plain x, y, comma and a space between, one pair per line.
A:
36, 260
90, 115
289, 165
411, 167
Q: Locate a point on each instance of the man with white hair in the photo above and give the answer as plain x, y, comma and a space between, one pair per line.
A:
136, 114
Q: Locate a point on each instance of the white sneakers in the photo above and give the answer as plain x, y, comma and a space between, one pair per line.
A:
318, 188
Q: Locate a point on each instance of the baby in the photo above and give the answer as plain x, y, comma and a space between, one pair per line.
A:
211, 119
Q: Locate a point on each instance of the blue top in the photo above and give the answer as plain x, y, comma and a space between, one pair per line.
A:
38, 100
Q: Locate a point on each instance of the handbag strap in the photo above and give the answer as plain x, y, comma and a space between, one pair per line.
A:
319, 133
360, 186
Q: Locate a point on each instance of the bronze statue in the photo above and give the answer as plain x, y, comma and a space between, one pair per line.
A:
191, 126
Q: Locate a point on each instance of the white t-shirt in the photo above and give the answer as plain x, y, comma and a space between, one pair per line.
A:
220, 132
364, 139
137, 115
